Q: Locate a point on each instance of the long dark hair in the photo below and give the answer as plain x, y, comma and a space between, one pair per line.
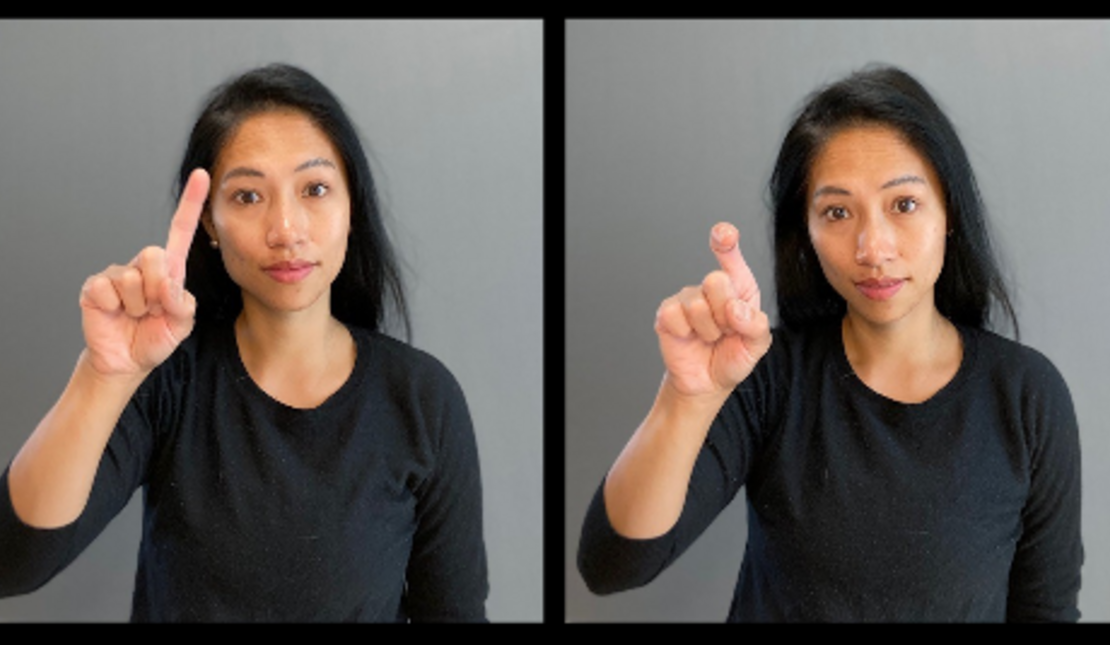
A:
970, 281
369, 285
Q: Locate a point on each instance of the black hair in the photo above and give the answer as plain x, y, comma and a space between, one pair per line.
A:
369, 281
970, 282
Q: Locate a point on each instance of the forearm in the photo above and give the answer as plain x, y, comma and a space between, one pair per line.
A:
52, 475
646, 488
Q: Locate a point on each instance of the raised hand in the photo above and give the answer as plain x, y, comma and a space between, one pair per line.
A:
135, 315
712, 335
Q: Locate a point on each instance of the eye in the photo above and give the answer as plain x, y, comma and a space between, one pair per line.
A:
244, 196
835, 213
316, 189
905, 205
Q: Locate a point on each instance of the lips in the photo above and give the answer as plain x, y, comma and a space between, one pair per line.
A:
290, 271
880, 288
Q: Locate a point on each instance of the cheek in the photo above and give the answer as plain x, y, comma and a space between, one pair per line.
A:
235, 263
233, 248
332, 242
830, 253
339, 230
931, 247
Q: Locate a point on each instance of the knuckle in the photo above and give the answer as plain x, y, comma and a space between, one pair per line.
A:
709, 333
696, 306
131, 276
91, 282
150, 254
716, 280
667, 310
689, 292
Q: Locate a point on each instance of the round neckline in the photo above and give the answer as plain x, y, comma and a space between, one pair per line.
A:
336, 398
939, 398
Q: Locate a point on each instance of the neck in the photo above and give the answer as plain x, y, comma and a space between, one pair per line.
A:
919, 340
298, 358
300, 338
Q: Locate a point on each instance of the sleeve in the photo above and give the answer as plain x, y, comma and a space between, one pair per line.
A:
30, 557
1045, 575
610, 562
447, 578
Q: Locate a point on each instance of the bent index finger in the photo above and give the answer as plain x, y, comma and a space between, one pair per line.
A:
724, 241
183, 227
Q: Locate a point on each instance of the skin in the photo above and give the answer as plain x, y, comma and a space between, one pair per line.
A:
133, 317
711, 336
876, 210
280, 194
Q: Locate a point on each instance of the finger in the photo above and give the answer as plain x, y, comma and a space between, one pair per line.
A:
129, 286
752, 325
700, 317
740, 356
183, 227
719, 293
98, 293
177, 302
151, 263
670, 319
724, 241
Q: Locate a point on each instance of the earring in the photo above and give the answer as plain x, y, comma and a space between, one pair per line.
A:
214, 244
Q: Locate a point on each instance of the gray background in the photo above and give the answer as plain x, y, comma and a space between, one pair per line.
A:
672, 127
93, 120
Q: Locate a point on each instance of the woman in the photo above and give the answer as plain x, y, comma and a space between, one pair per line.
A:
901, 461
296, 463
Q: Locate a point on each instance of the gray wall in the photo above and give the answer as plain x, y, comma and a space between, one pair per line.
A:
672, 127
93, 119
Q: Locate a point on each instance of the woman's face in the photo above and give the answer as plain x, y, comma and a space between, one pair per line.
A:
877, 220
280, 211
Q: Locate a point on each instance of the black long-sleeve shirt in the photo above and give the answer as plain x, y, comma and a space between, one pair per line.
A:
965, 507
366, 508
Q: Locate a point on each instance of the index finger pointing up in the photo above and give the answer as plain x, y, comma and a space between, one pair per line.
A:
184, 224
724, 240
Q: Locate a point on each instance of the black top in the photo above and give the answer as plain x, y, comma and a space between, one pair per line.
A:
965, 507
365, 508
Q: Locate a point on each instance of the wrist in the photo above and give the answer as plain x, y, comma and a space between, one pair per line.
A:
87, 376
672, 400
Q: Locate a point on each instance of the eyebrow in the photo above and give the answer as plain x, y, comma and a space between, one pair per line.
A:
312, 163
897, 181
245, 171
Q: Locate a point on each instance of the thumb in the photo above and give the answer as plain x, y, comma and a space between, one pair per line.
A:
180, 305
740, 352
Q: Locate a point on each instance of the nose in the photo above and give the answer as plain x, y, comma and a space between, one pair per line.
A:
287, 224
875, 241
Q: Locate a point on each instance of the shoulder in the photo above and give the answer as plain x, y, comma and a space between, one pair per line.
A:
1011, 365
410, 388
1024, 384
402, 362
411, 377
